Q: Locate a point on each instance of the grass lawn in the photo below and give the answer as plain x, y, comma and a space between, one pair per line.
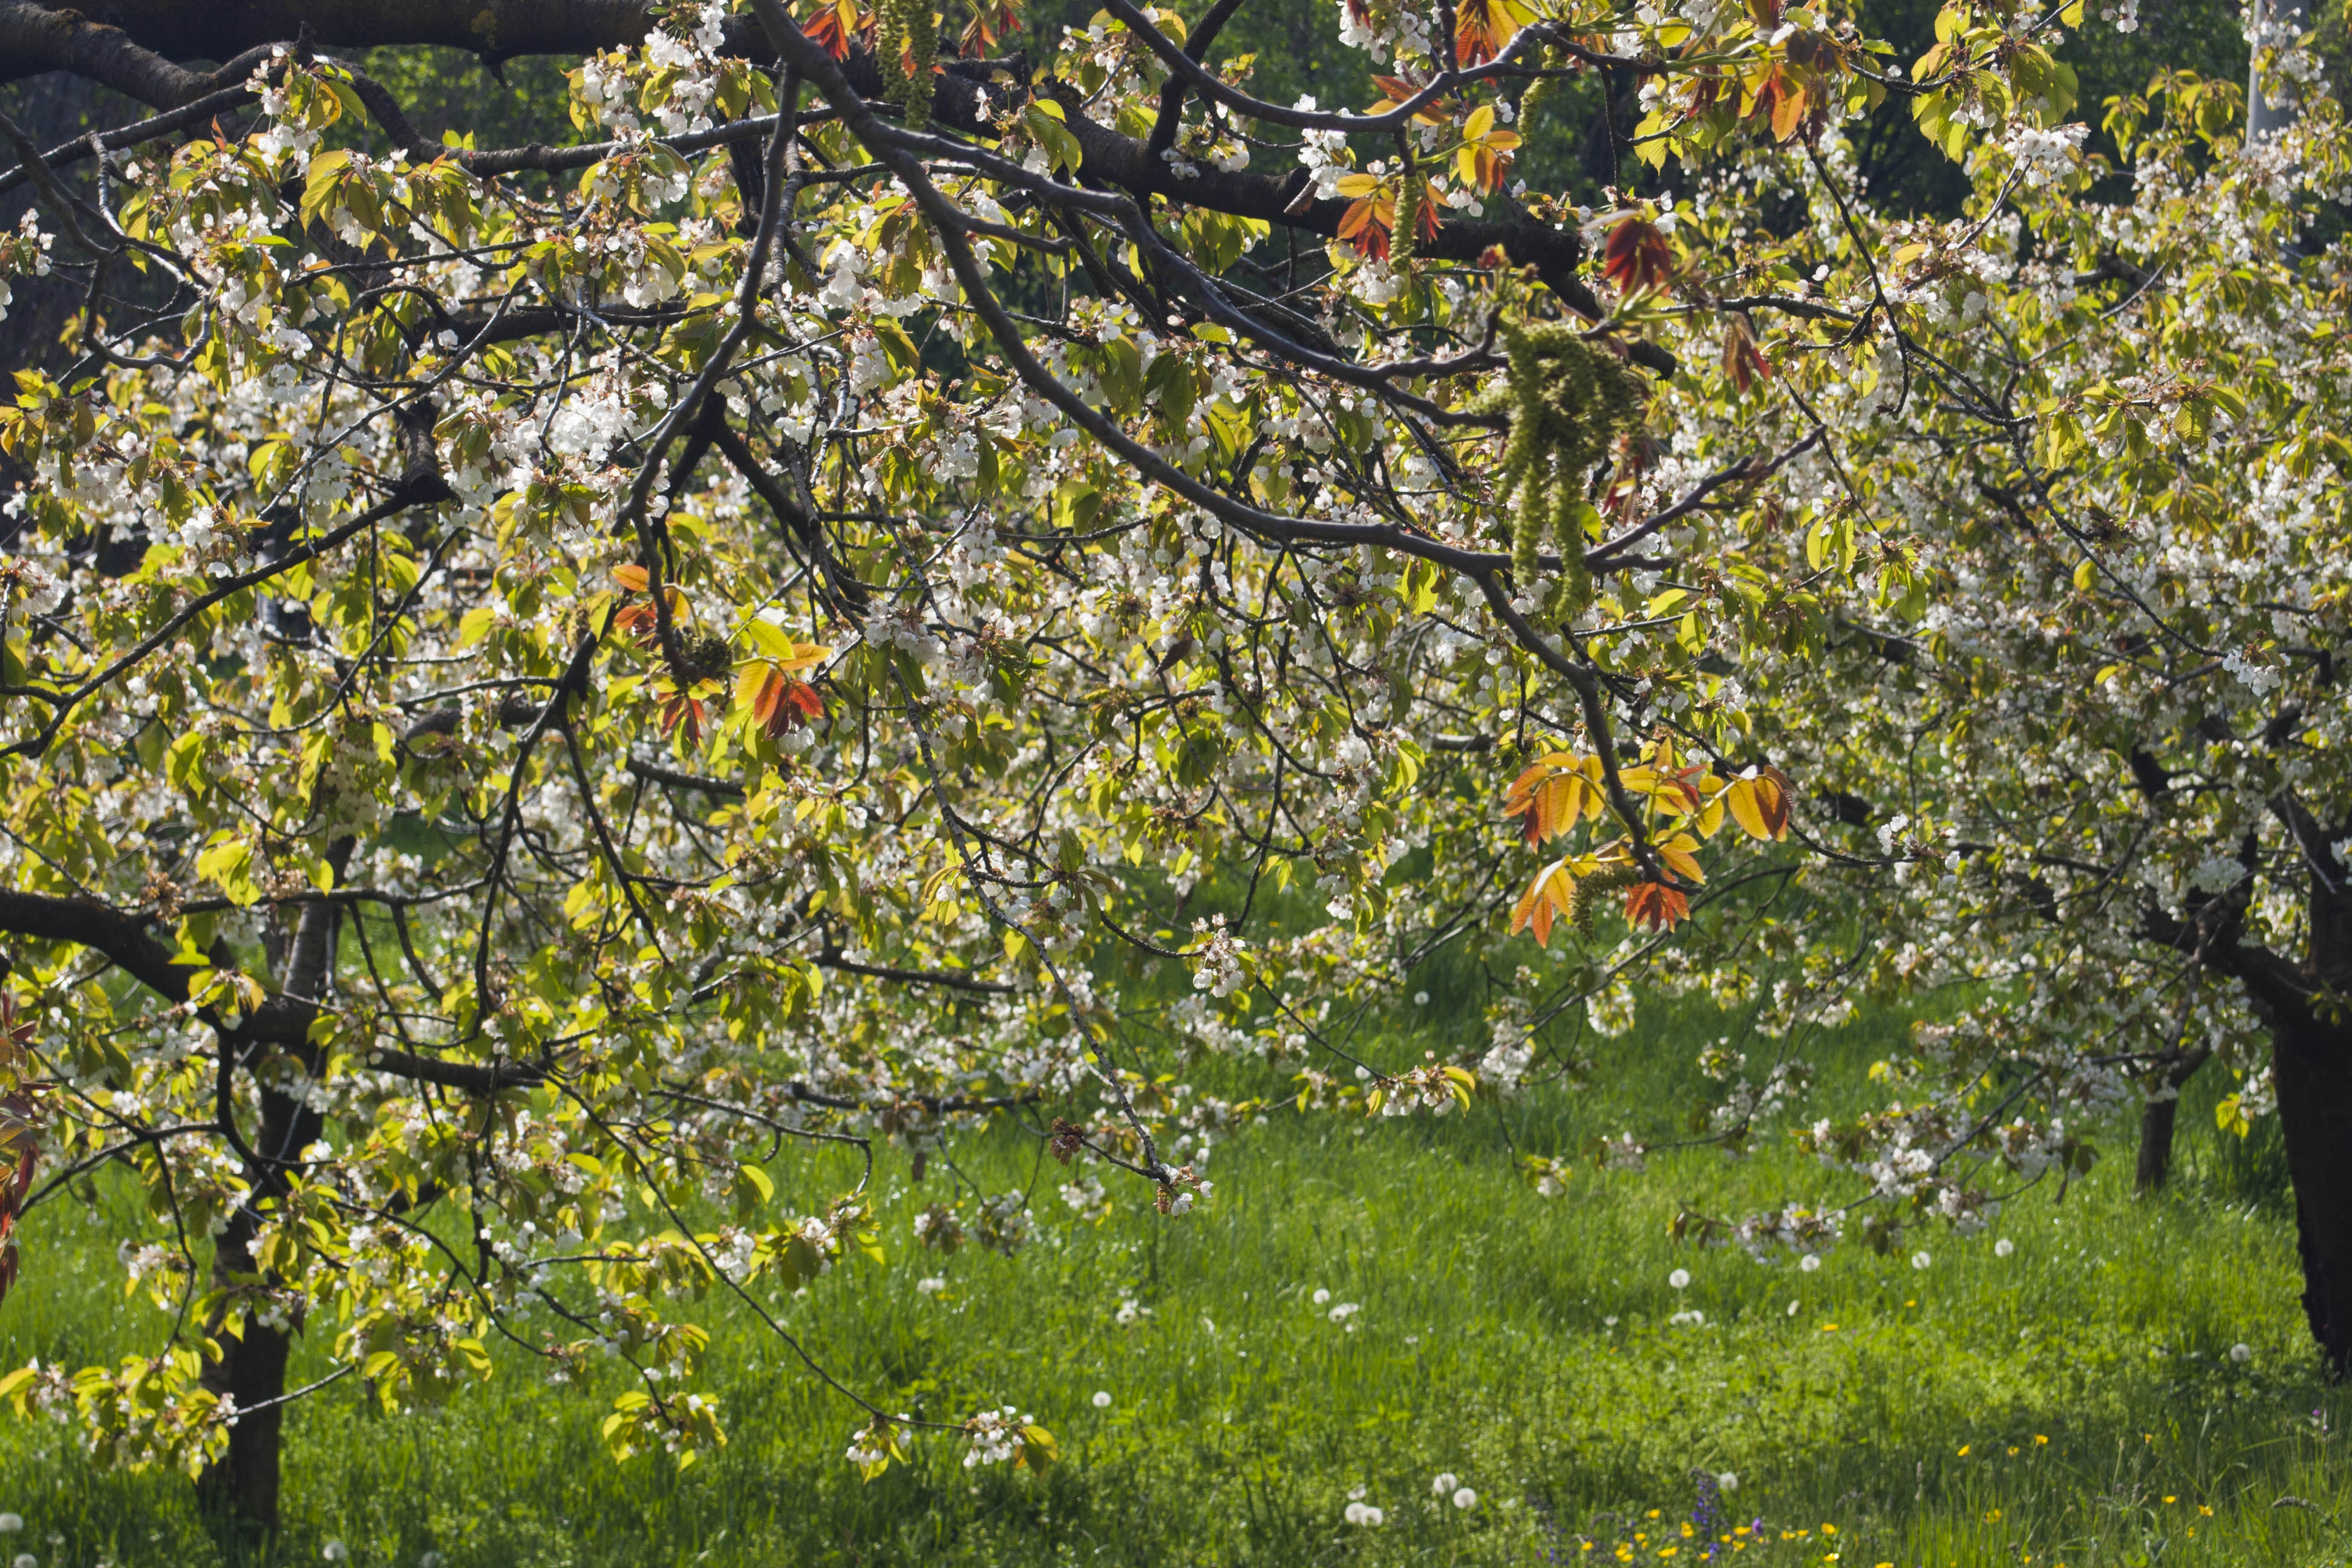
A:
2073, 1402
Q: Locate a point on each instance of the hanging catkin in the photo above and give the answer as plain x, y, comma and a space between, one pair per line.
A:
1585, 897
923, 41
1567, 402
1543, 87
1408, 218
911, 42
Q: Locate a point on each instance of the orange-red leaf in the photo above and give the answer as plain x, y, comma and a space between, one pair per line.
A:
1788, 110
1365, 224
1436, 111
678, 709
990, 20
1548, 896
1487, 163
1425, 226
1484, 29
778, 703
1636, 255
1679, 853
1655, 905
1553, 795
1743, 361
833, 26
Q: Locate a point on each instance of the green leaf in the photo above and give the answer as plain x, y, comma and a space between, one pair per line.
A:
1170, 382
326, 170
1038, 1449
754, 1187
352, 107
897, 346
227, 861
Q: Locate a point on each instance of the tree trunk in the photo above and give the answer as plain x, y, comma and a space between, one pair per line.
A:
2156, 1119
2312, 1068
239, 1490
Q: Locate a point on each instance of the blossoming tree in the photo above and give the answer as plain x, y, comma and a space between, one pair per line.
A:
535, 677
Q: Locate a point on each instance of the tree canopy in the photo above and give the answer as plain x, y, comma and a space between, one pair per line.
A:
925, 570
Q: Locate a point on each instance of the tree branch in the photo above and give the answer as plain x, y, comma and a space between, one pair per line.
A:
35, 39
829, 958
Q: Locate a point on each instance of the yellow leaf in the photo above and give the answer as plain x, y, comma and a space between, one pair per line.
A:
802, 655
2231, 1116
1677, 852
748, 679
1038, 1449
1709, 820
1758, 800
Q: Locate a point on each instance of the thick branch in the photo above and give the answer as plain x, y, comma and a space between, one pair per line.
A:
2211, 935
494, 29
36, 38
1171, 96
653, 773
134, 134
497, 29
948, 978
473, 1077
121, 937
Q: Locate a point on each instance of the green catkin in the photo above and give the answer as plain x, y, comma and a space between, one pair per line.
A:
1408, 218
1567, 402
923, 39
1521, 388
1585, 896
910, 31
888, 33
1528, 525
1543, 87
1572, 590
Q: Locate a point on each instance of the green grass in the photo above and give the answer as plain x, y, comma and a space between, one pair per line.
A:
1522, 1344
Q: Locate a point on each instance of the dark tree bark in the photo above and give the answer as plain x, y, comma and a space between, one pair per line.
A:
239, 1490
238, 1493
2311, 1054
2156, 1119
134, 45
2312, 1067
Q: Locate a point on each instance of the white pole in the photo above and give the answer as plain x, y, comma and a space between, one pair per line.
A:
2266, 116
